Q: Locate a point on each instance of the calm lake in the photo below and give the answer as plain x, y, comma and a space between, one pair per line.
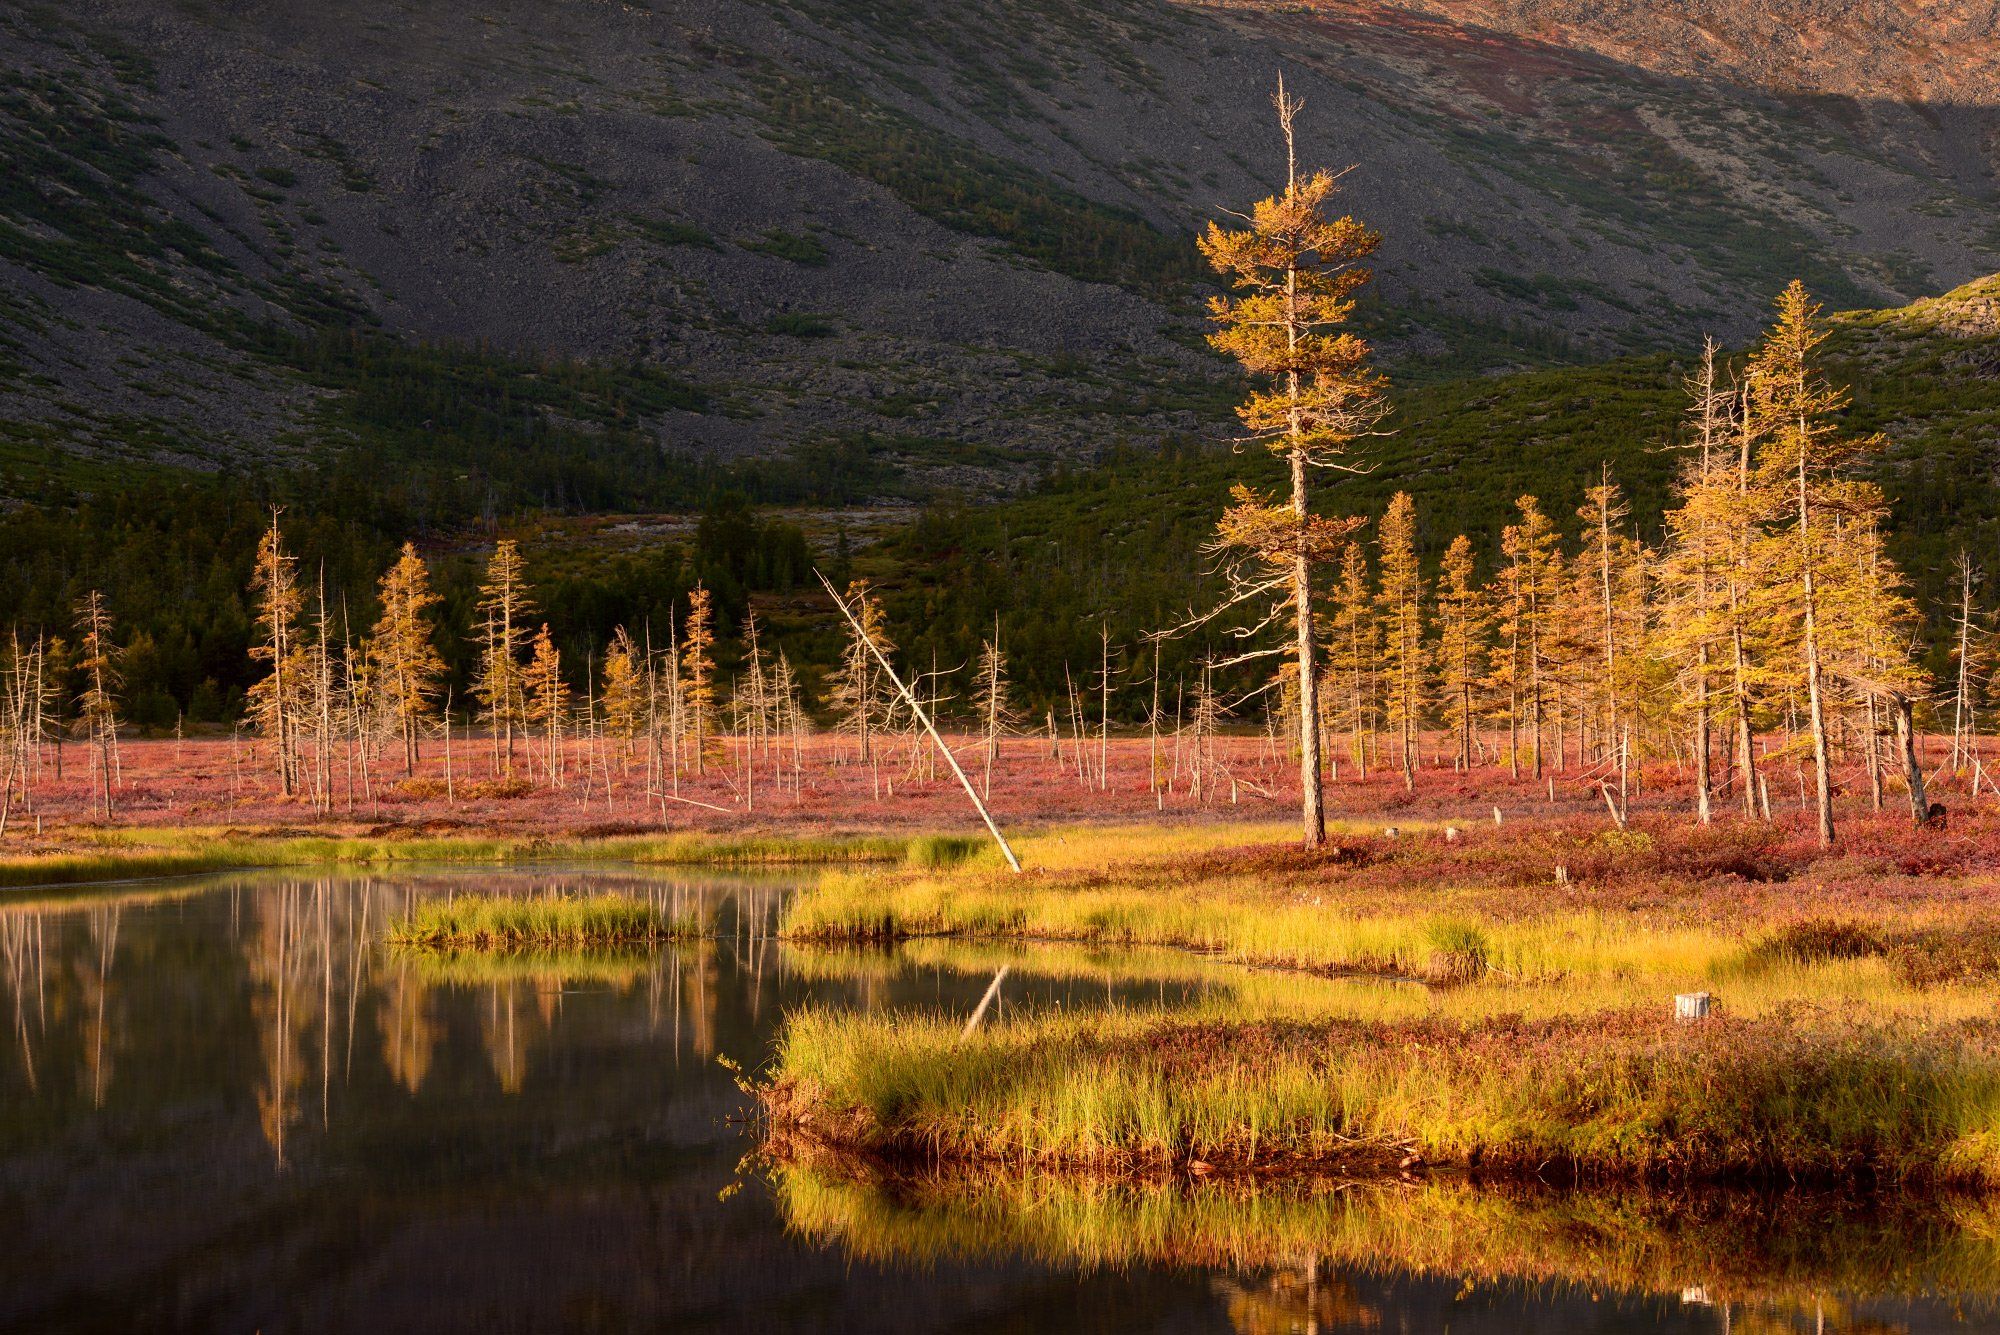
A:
225, 1106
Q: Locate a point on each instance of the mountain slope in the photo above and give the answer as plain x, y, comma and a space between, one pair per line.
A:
943, 242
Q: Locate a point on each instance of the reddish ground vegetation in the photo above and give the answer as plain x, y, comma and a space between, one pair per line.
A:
225, 782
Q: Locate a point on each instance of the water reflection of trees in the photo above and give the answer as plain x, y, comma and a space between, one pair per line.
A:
289, 972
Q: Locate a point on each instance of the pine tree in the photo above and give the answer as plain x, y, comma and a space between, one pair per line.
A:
1295, 270
1461, 644
504, 606
275, 700
401, 651
1401, 603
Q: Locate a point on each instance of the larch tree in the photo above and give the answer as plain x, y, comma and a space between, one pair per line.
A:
407, 668
1802, 464
698, 673
1703, 629
1968, 652
97, 704
504, 607
1535, 572
1462, 617
547, 699
625, 699
1355, 653
1610, 558
992, 704
858, 694
1401, 602
275, 700
1294, 271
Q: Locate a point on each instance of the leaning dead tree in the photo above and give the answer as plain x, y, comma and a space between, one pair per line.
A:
910, 701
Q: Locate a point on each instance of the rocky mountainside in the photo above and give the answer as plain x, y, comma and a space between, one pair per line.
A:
942, 243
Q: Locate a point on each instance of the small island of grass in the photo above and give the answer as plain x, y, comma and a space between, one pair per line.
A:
501, 922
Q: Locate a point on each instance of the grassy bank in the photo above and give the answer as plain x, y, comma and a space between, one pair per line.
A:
1549, 902
1853, 1040
1624, 1095
139, 853
1779, 1248
555, 922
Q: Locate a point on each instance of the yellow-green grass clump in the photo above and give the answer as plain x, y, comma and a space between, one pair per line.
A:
554, 922
1623, 1095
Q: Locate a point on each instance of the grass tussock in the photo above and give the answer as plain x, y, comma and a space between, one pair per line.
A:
1802, 1096
565, 922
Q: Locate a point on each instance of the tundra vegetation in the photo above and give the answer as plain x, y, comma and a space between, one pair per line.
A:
1708, 730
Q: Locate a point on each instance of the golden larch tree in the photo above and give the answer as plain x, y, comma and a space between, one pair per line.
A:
1802, 463
406, 668
1294, 271
547, 698
698, 673
1462, 618
504, 607
275, 700
624, 689
97, 704
1401, 602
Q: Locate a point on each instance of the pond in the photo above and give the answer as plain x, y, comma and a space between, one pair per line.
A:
225, 1106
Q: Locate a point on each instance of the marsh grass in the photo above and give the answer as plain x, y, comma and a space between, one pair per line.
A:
152, 852
1622, 1095
554, 922
1779, 1248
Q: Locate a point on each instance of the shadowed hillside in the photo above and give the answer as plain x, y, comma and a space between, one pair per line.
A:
907, 245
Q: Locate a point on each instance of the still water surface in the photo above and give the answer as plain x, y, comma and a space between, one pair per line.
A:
224, 1106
